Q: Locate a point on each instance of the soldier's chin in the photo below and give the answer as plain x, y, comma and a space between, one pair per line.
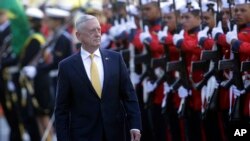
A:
239, 22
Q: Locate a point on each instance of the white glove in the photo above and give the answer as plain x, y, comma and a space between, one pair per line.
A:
130, 24
145, 36
11, 86
231, 35
121, 28
167, 88
237, 92
202, 33
105, 41
212, 84
150, 87
178, 37
159, 72
217, 30
162, 34
147, 88
182, 92
29, 71
113, 30
135, 78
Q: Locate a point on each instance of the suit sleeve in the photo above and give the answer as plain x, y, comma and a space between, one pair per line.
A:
62, 105
129, 97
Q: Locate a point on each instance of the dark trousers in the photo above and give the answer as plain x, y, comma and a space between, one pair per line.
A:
158, 121
193, 126
211, 124
10, 113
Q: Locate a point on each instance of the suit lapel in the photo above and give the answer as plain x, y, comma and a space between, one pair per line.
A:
105, 61
79, 67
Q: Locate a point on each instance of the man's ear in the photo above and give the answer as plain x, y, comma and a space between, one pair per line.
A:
77, 35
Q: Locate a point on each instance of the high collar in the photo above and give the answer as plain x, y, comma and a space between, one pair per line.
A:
244, 26
155, 22
194, 30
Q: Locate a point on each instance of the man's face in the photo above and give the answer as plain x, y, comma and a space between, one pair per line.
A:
225, 16
189, 21
208, 19
107, 12
150, 12
170, 19
51, 23
3, 16
90, 33
242, 14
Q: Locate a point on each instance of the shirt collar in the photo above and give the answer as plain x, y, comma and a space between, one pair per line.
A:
4, 26
85, 54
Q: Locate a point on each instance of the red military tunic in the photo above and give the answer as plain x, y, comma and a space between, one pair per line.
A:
223, 92
174, 55
193, 51
157, 51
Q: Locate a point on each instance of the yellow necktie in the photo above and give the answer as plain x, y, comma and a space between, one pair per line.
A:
95, 79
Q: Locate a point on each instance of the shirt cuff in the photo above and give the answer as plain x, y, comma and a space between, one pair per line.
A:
135, 130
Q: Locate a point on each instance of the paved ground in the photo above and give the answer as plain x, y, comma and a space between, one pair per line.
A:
4, 131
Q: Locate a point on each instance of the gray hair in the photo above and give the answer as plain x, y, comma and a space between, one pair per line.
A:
81, 20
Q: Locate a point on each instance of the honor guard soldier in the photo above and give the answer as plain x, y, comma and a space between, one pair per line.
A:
210, 16
8, 95
219, 36
171, 102
117, 33
152, 93
191, 41
35, 87
57, 47
238, 38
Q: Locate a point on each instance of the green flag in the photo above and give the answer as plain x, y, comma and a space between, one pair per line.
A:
18, 22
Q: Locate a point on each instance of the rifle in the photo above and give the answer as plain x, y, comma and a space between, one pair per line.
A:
208, 64
245, 66
145, 58
4, 47
167, 76
183, 80
234, 65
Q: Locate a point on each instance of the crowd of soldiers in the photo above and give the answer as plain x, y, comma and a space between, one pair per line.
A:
188, 61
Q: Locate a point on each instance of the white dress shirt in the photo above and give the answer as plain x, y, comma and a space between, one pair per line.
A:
87, 62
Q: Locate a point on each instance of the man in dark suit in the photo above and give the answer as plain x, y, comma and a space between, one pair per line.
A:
95, 105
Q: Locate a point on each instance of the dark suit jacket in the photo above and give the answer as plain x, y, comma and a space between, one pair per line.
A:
81, 115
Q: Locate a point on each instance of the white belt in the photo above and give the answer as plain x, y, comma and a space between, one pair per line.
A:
12, 69
53, 73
